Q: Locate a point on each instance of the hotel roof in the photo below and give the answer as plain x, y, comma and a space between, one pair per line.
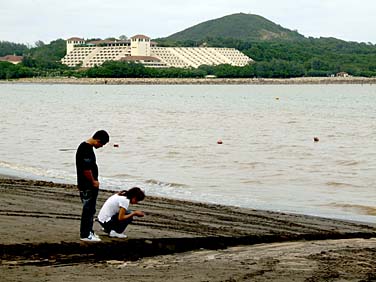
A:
97, 42
76, 39
140, 36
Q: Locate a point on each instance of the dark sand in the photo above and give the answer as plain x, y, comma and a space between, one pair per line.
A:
175, 241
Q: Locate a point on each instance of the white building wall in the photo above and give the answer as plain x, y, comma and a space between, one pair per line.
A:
72, 42
95, 56
140, 46
180, 57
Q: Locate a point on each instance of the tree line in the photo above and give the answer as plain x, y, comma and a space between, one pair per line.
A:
272, 59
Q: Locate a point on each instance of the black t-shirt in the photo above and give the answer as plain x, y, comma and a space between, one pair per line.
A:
85, 160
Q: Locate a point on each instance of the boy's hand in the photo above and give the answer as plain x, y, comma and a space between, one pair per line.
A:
138, 213
95, 184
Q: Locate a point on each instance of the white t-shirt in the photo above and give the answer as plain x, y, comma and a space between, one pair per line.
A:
112, 207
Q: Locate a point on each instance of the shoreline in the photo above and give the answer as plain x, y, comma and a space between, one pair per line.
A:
194, 81
176, 240
8, 177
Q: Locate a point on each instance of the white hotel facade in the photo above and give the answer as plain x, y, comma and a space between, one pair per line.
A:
141, 49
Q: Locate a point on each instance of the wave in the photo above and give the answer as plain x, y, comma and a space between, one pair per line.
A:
251, 182
21, 168
348, 163
122, 175
33, 172
172, 153
249, 164
165, 184
341, 184
362, 209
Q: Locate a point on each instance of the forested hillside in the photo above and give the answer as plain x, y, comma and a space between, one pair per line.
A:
312, 56
246, 27
46, 55
10, 48
277, 53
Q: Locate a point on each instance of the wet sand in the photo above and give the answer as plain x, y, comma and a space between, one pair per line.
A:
175, 241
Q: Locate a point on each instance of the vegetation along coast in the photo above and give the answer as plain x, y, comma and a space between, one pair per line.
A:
198, 81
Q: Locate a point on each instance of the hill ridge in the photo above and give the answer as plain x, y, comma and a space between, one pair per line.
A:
238, 26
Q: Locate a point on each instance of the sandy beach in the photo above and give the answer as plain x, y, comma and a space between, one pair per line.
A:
175, 241
189, 81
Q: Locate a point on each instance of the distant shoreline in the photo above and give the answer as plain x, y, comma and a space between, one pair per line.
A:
194, 81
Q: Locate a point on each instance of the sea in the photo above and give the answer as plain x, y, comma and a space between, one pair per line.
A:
249, 146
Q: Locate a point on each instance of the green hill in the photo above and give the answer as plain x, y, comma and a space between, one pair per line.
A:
246, 27
277, 52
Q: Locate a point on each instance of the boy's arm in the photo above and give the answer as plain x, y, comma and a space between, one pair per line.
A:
89, 176
124, 216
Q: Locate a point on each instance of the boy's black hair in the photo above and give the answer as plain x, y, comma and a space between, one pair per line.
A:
102, 136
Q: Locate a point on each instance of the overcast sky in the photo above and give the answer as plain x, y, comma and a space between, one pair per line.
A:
26, 21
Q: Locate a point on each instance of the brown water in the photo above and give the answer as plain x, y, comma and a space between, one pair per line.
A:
167, 142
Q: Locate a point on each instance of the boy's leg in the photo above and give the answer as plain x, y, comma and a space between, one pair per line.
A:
89, 200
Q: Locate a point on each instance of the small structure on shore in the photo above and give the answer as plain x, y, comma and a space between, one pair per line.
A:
342, 74
12, 59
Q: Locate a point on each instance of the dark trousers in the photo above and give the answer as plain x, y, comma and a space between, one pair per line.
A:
89, 201
115, 224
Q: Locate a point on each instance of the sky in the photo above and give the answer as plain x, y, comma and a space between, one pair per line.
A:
27, 21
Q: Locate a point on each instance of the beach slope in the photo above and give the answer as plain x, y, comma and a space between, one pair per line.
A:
175, 241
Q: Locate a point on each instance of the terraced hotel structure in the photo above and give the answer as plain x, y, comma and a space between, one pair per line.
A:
141, 49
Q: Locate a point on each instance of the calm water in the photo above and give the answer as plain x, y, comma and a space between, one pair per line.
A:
167, 137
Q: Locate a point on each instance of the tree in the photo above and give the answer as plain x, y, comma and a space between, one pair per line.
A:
39, 43
9, 48
47, 56
10, 71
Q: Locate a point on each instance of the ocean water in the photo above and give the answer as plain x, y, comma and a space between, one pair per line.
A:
167, 135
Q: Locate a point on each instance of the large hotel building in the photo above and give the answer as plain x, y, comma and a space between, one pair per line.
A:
141, 49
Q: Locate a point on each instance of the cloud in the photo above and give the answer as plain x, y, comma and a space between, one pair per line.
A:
32, 20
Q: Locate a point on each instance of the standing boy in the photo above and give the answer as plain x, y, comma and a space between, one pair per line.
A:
87, 182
